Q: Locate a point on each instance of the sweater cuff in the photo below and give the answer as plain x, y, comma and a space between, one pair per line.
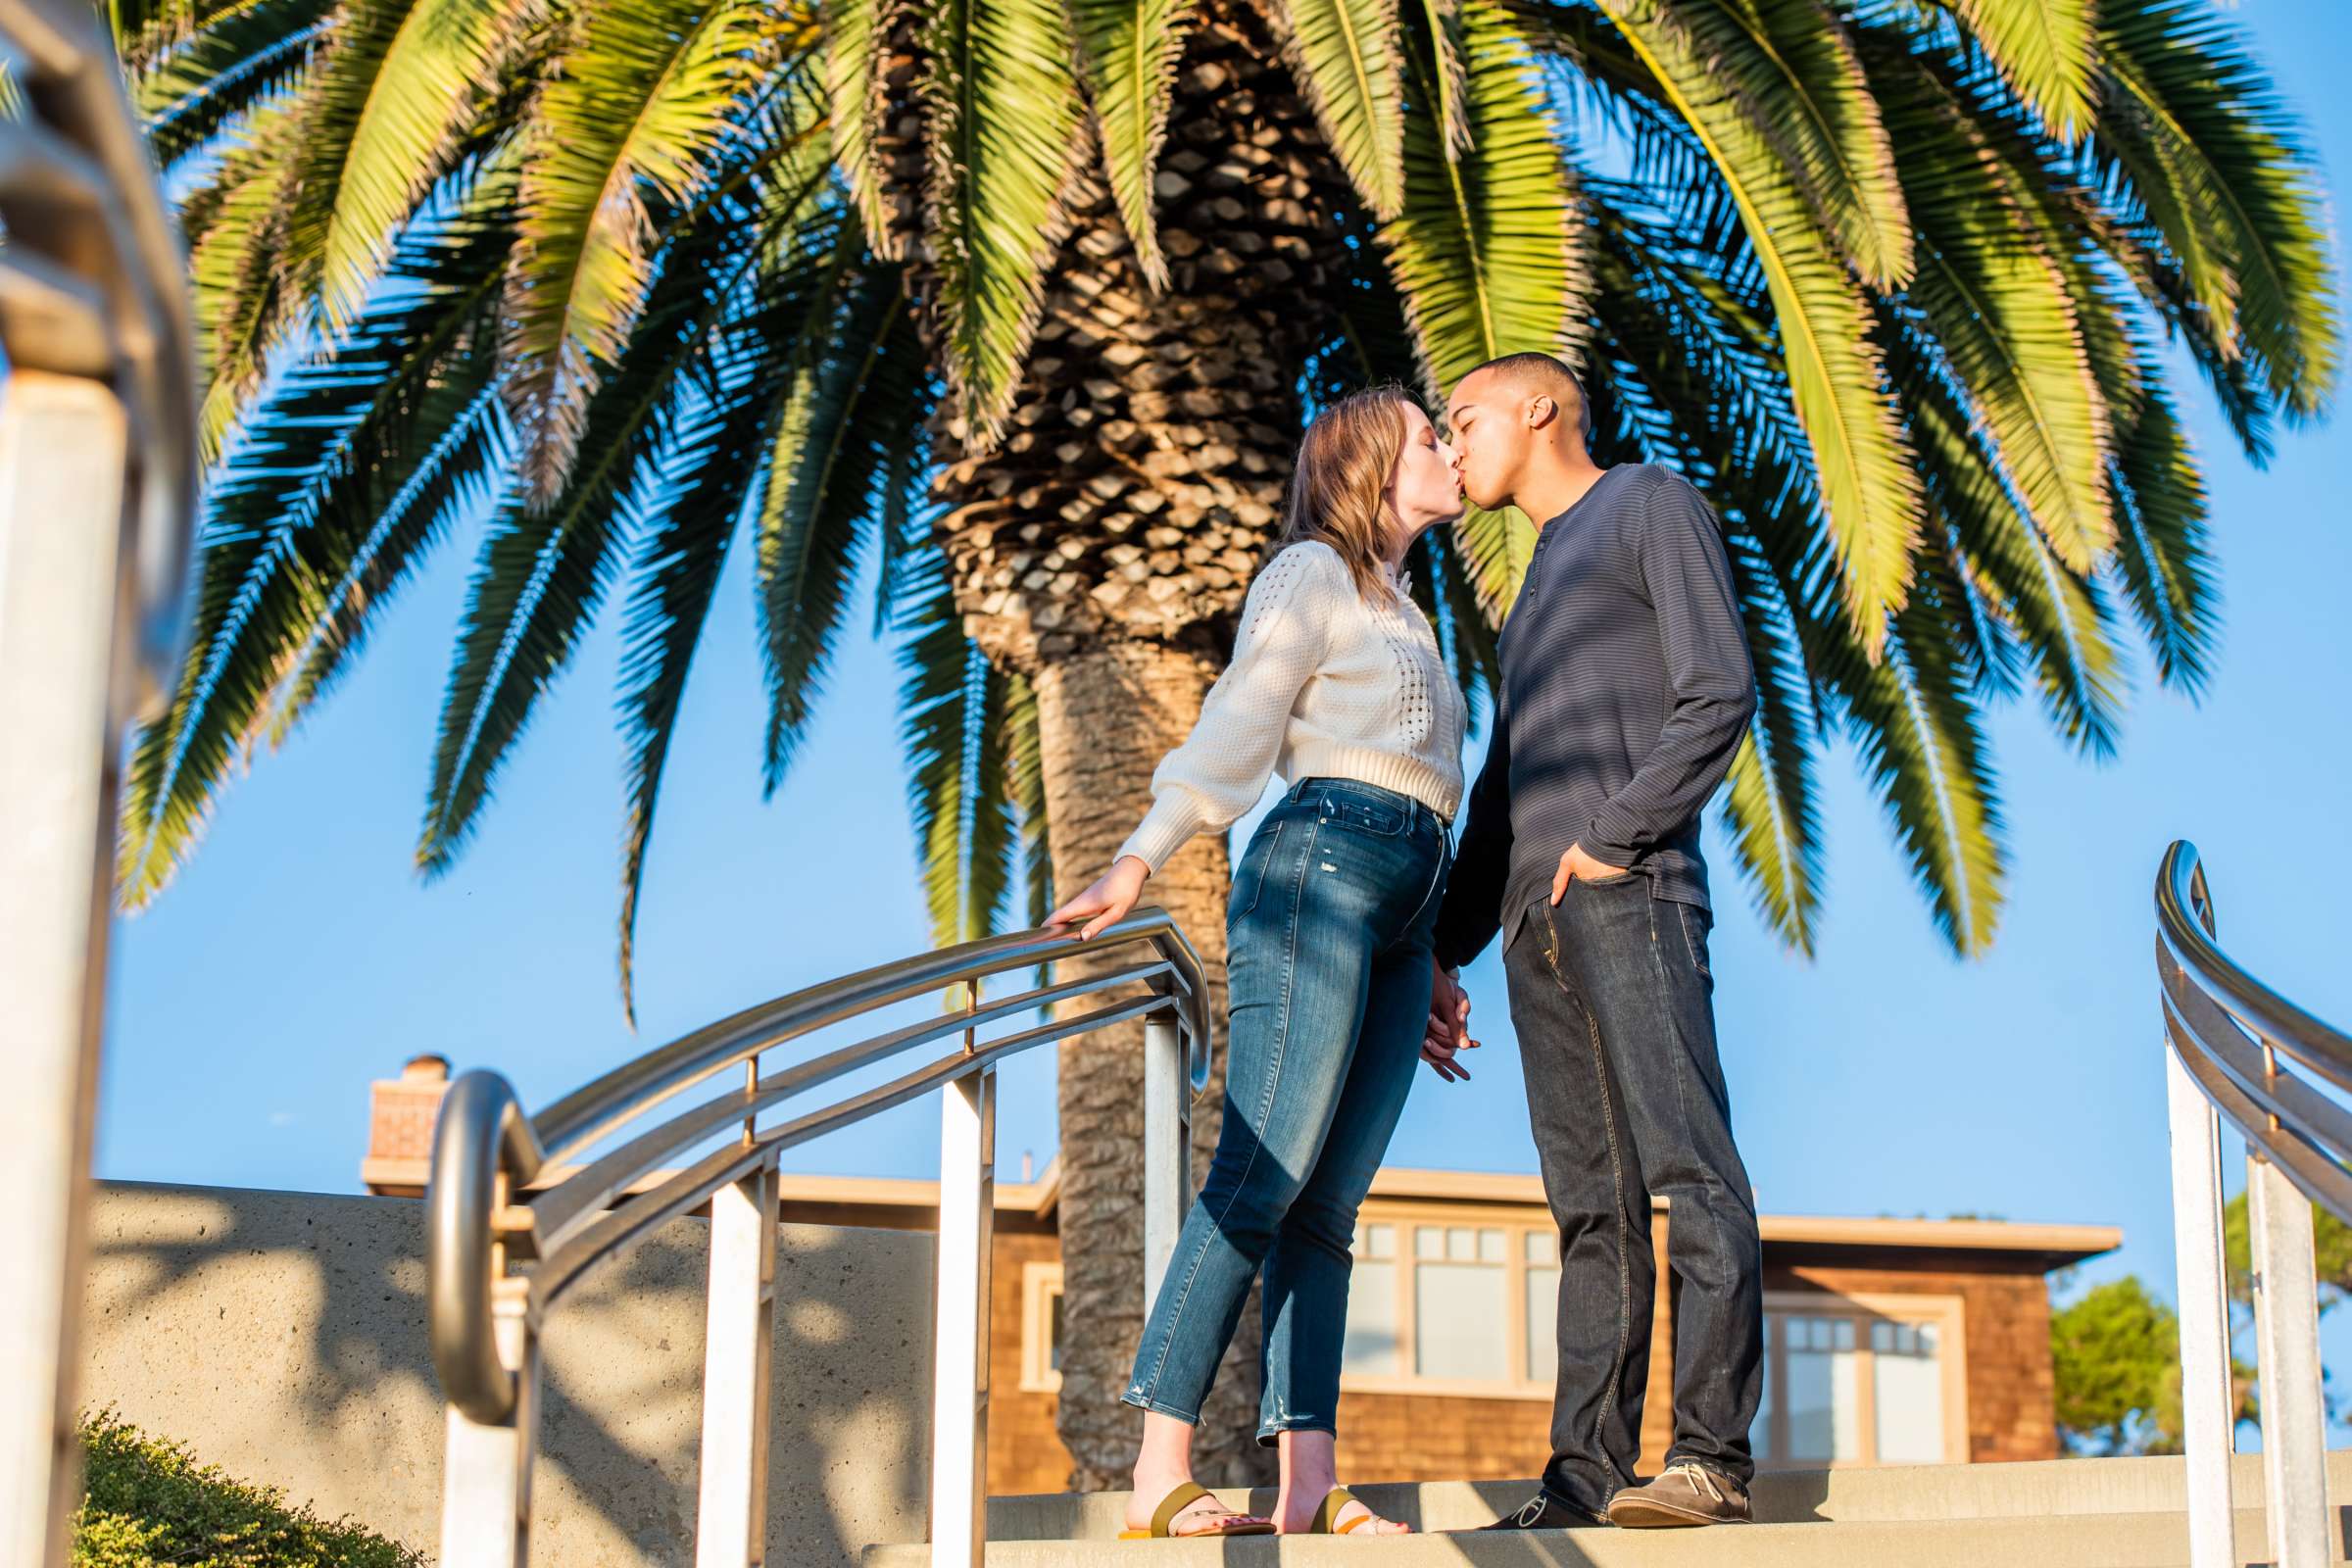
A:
1164, 830
1606, 846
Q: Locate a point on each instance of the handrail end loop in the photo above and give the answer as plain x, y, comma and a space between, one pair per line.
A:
481, 1135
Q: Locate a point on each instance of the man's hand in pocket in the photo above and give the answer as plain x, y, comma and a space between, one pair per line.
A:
1575, 863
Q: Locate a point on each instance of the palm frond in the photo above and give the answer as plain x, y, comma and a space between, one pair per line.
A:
143, 32
952, 718
248, 56
1868, 480
2053, 609
1484, 250
902, 532
2196, 130
1789, 68
848, 405
1343, 54
636, 113
346, 80
1685, 373
439, 69
1128, 51
350, 457
713, 462
1998, 308
1005, 131
235, 298
856, 32
1025, 788
1919, 737
1772, 806
2047, 51
2169, 569
543, 570
1449, 76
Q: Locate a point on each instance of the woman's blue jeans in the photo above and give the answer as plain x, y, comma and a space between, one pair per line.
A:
1328, 936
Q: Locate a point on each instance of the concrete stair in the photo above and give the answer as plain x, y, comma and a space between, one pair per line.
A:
2073, 1513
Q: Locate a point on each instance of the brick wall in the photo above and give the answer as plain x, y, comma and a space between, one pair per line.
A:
1392, 1436
1024, 1454
1383, 1436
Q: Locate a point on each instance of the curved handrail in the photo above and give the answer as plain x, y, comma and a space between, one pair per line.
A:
2229, 1030
486, 1149
2233, 1045
86, 213
481, 1129
588, 1112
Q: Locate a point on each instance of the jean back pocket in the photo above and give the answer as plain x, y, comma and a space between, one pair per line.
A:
1362, 815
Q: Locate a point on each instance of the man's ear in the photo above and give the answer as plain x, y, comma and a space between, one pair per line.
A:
1541, 412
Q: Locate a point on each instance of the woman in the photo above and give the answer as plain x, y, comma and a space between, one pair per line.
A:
1336, 680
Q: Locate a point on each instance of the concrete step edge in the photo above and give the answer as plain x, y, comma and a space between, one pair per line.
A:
2036, 1489
2068, 1540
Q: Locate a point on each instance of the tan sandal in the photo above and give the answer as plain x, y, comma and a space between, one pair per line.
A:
1337, 1498
1183, 1496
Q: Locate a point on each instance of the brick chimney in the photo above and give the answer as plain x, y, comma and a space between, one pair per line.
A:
401, 1112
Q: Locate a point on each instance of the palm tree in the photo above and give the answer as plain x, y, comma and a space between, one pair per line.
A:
1025, 300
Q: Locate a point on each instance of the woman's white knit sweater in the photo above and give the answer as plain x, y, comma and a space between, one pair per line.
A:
1324, 682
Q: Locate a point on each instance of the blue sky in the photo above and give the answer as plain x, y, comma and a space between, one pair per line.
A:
298, 956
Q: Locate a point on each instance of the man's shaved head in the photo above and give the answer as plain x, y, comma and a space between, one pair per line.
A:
1515, 419
1533, 374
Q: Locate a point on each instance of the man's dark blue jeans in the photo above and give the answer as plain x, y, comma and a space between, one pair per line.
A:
1613, 1005
1328, 933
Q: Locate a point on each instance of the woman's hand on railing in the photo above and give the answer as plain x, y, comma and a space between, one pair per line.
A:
1106, 902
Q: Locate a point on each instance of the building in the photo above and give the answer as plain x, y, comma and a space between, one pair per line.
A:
1887, 1341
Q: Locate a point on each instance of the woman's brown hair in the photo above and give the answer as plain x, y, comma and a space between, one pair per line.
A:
1339, 485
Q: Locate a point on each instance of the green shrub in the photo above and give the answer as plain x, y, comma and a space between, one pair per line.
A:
148, 1503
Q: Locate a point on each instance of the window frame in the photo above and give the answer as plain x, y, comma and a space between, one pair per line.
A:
1040, 1288
1513, 1222
1946, 1314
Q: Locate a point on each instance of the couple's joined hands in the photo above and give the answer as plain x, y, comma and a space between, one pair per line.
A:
1446, 1034
1448, 1030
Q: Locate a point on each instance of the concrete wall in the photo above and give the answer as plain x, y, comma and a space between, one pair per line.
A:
281, 1336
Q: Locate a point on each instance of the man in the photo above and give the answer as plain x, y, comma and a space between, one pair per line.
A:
1625, 688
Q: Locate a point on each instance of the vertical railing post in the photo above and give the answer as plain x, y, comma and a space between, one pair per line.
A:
2287, 1339
731, 1527
61, 645
486, 1465
967, 1140
2207, 1399
1168, 1173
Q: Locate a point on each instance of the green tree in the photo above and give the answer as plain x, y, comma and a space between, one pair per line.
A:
1025, 300
2331, 1247
2115, 1353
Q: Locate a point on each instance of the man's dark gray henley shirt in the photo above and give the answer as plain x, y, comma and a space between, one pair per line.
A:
1626, 689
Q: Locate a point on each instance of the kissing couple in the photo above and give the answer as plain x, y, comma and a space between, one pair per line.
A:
1625, 690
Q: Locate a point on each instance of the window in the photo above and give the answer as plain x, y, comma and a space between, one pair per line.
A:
1041, 1328
1862, 1381
1373, 1323
1463, 1303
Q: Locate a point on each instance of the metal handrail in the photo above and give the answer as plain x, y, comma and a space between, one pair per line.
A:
98, 505
2233, 1044
95, 285
485, 1309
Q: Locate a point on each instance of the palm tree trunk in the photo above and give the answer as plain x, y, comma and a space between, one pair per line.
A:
1105, 718
1104, 548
